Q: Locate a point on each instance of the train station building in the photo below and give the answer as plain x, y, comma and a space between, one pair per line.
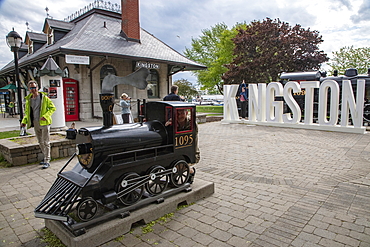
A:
99, 39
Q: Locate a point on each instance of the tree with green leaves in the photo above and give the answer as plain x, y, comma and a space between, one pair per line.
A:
186, 88
348, 57
213, 48
266, 48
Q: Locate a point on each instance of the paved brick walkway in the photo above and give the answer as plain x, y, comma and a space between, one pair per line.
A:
273, 187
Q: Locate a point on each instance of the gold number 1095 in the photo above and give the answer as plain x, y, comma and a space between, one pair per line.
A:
184, 140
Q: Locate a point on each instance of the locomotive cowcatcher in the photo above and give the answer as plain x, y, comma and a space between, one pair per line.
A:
120, 166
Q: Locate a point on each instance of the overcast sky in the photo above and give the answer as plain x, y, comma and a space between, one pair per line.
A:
340, 22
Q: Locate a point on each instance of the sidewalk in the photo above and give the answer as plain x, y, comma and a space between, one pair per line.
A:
273, 187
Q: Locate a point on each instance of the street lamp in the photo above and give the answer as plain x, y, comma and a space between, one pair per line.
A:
14, 41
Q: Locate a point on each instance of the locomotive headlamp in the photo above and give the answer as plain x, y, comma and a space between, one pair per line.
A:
84, 148
84, 154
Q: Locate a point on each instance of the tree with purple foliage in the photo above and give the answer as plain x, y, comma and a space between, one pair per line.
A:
266, 48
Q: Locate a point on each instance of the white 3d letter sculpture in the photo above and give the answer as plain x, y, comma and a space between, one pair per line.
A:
263, 109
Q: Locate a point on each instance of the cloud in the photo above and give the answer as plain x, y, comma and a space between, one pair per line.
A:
177, 22
346, 3
363, 13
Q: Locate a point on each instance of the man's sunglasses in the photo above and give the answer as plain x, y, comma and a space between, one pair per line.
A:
32, 88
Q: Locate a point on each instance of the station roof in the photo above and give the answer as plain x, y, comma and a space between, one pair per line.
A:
98, 34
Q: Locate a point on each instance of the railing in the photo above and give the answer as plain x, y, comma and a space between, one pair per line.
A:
97, 4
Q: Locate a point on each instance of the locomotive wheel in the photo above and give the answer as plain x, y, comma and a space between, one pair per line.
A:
180, 173
133, 196
157, 184
87, 209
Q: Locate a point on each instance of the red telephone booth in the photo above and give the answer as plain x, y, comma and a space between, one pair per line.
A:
70, 87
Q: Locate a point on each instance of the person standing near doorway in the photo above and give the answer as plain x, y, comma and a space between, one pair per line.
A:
38, 111
125, 105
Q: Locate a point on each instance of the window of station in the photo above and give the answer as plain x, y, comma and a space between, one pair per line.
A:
30, 47
50, 36
153, 84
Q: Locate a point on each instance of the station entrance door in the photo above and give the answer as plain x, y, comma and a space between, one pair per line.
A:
71, 109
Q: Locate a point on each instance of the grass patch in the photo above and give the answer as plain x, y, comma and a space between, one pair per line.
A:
9, 134
210, 109
51, 239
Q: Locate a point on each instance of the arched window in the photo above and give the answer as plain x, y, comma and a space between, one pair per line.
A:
153, 84
104, 71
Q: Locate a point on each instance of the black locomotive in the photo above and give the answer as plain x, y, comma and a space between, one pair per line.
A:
120, 166
350, 74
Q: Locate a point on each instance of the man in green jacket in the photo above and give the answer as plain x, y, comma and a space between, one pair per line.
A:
37, 114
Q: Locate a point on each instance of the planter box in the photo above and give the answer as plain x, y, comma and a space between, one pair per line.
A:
21, 154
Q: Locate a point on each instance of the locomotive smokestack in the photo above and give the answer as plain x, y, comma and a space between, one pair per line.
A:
107, 103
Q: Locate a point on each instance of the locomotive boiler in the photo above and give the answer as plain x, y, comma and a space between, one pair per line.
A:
122, 167
350, 74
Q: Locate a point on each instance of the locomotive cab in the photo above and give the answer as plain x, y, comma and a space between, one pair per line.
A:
179, 119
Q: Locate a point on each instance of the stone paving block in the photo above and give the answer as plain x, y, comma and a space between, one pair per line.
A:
184, 241
347, 240
280, 235
187, 231
353, 227
224, 226
363, 222
206, 228
203, 239
330, 243
218, 243
363, 237
168, 234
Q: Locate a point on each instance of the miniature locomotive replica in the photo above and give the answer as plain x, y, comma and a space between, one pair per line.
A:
124, 167
350, 74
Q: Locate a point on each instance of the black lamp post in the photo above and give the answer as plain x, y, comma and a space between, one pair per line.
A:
14, 41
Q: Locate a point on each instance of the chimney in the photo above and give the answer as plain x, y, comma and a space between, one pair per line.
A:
130, 20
